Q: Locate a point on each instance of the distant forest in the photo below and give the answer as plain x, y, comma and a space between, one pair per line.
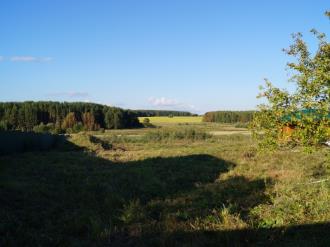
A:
63, 117
228, 116
162, 113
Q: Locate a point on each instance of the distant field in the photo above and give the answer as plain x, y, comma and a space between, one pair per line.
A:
174, 120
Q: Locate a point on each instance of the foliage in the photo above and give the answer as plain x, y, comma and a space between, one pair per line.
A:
44, 128
307, 107
26, 115
113, 119
88, 120
161, 113
69, 121
170, 134
146, 121
228, 116
78, 127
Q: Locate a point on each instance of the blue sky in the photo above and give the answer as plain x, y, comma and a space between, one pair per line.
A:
175, 54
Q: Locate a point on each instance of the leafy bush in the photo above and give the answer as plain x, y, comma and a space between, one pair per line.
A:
147, 124
306, 109
146, 121
44, 128
78, 127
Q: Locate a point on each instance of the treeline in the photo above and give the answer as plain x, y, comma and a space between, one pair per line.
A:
58, 117
228, 116
162, 113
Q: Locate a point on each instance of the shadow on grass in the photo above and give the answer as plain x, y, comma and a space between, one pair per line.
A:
299, 235
18, 142
73, 198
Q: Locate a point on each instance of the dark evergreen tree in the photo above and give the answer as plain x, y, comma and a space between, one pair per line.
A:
228, 116
26, 115
161, 113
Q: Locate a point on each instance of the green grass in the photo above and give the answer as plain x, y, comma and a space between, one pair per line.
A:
119, 189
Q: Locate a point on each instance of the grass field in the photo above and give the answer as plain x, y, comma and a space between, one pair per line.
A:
172, 120
170, 186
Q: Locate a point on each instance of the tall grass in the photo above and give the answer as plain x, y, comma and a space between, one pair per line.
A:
175, 134
216, 192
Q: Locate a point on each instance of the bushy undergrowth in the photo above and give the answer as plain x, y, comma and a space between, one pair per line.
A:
176, 134
106, 145
241, 125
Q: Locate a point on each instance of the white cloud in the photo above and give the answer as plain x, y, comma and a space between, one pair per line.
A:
162, 101
30, 59
1, 58
173, 104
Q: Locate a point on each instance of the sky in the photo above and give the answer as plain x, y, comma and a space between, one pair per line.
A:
193, 55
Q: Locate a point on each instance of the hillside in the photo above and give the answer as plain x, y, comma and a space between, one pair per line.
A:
170, 186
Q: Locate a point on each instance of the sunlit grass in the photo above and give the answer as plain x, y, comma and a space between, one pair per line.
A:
172, 120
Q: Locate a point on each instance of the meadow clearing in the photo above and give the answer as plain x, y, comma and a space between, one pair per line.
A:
171, 185
161, 121
98, 146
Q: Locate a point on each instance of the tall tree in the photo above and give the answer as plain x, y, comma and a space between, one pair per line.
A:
89, 121
307, 108
26, 115
69, 121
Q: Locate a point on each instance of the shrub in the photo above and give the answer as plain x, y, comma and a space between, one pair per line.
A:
44, 128
78, 127
146, 121
104, 144
306, 109
147, 124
